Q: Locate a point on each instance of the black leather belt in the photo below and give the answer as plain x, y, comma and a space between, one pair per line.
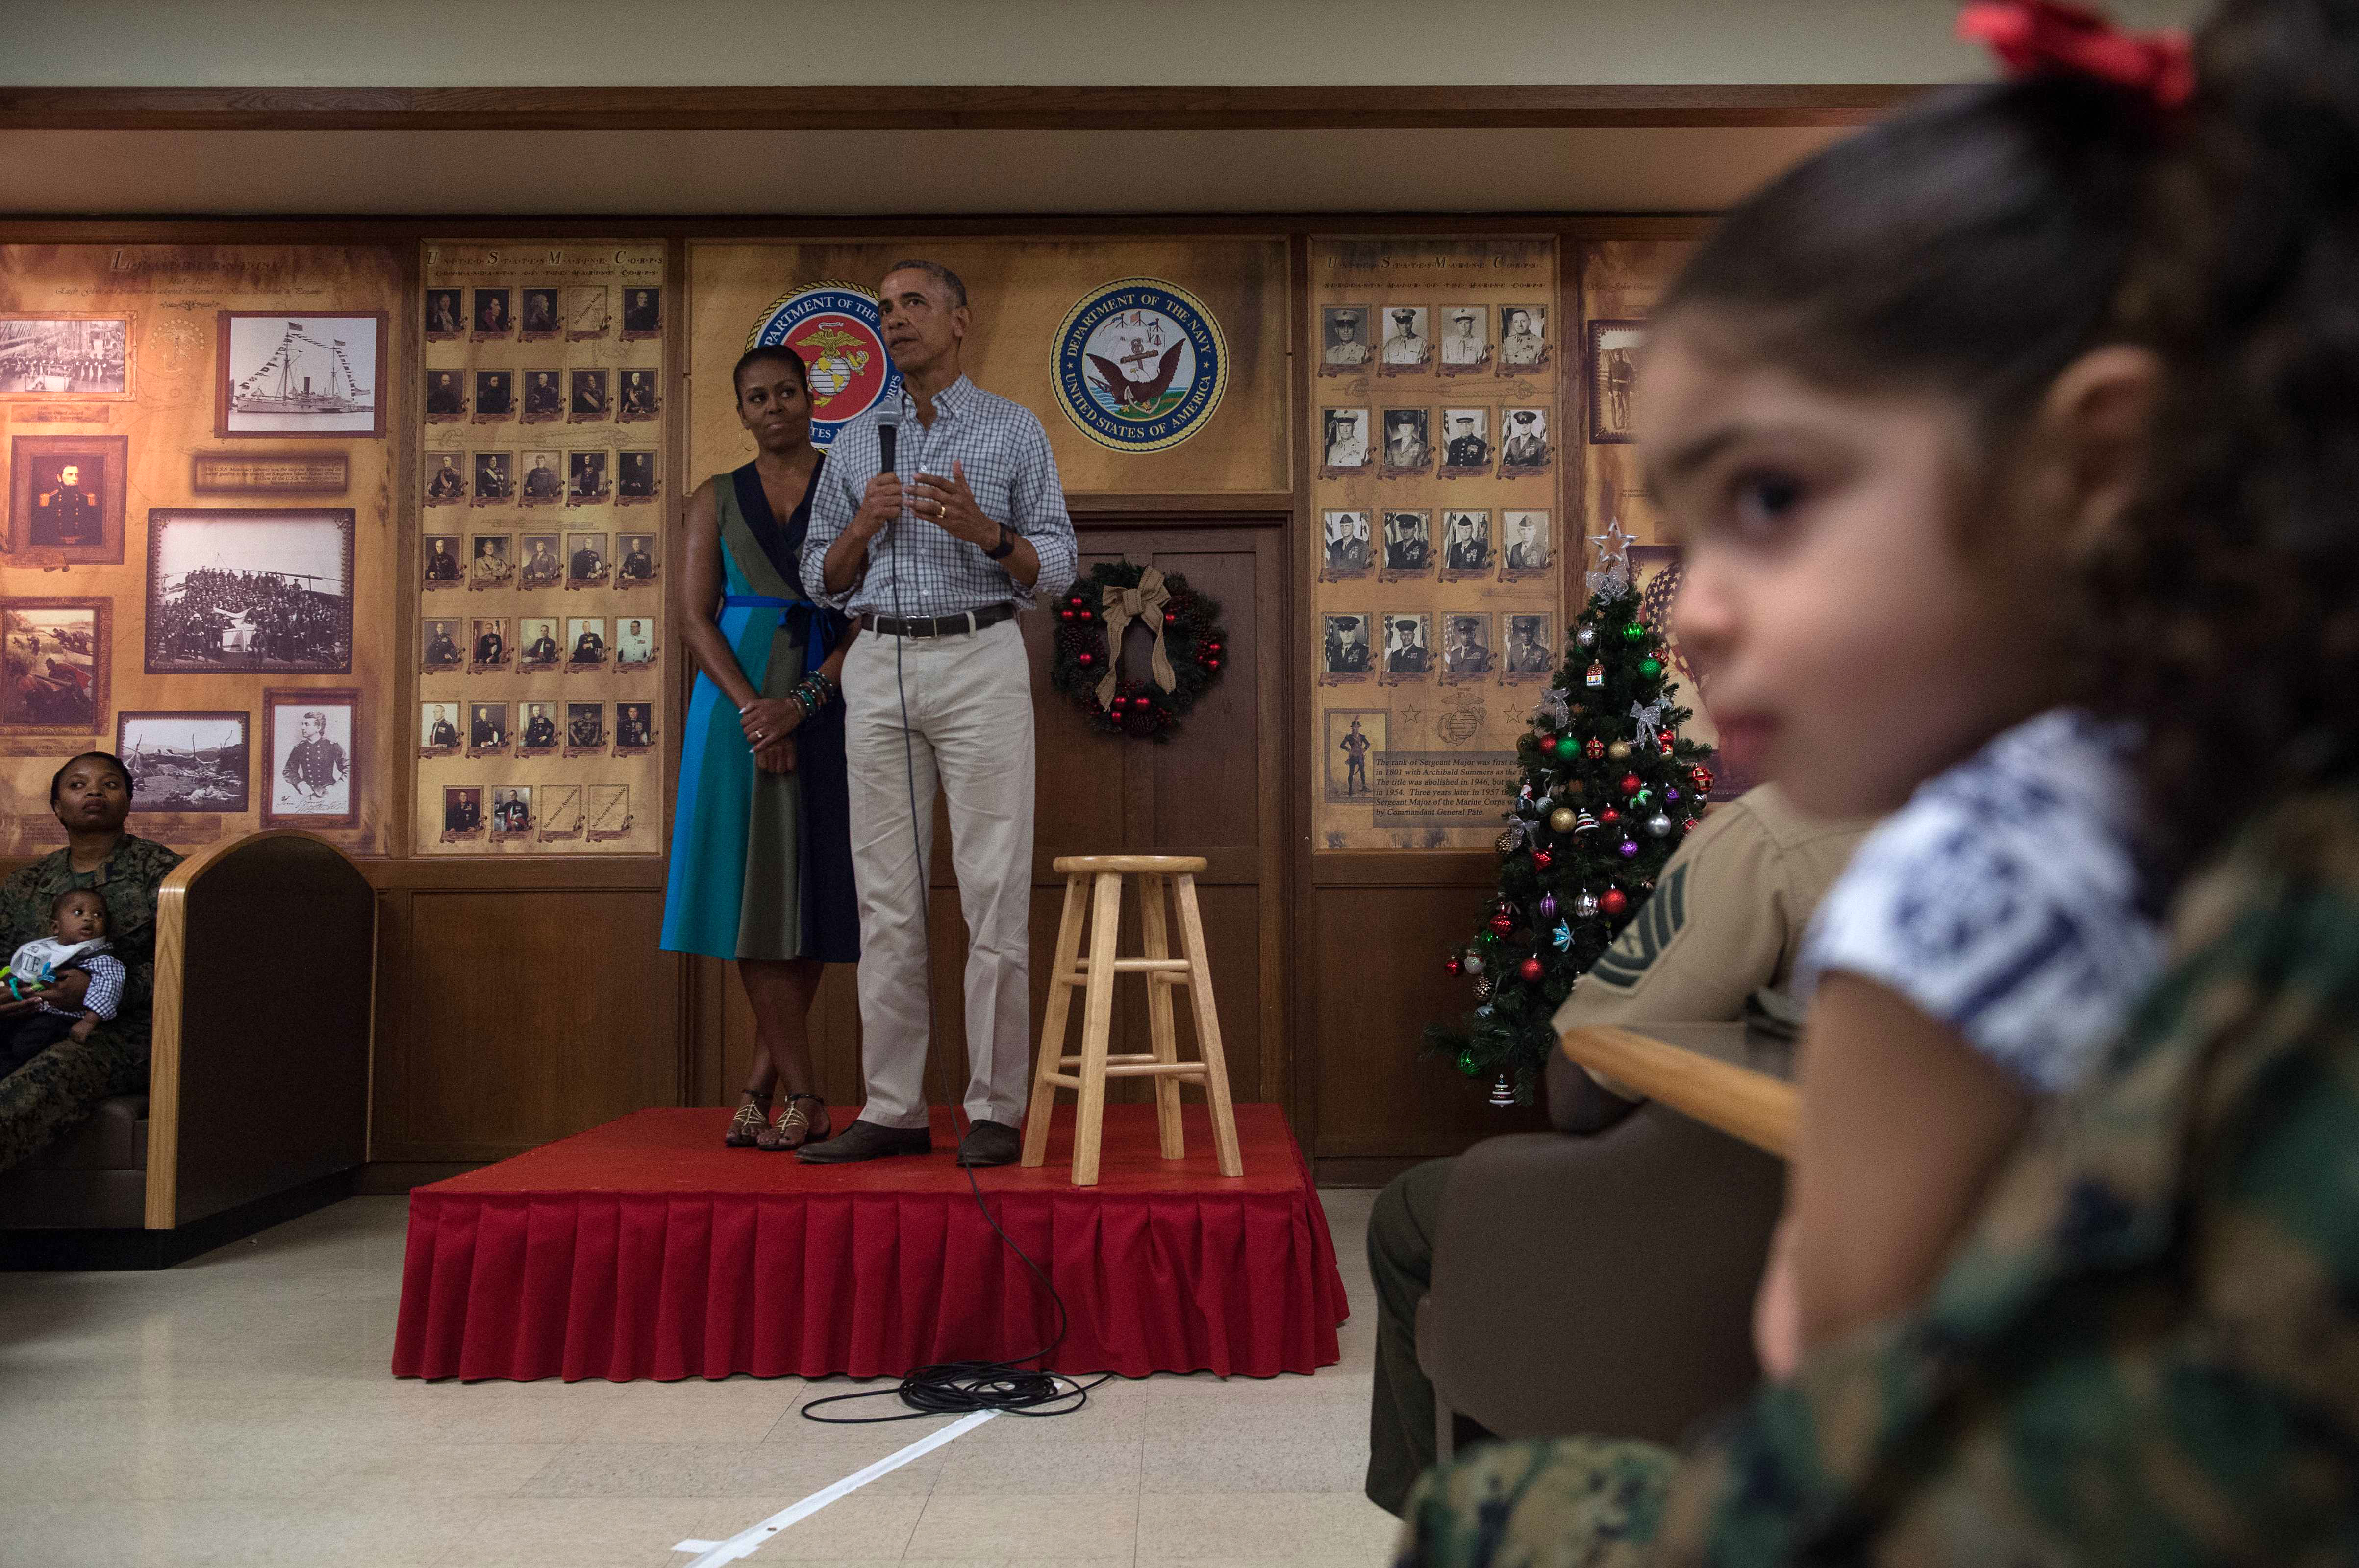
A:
958, 625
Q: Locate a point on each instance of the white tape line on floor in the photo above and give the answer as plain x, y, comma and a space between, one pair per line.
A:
746, 1541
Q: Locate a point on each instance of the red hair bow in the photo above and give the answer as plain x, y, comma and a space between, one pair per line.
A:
2042, 37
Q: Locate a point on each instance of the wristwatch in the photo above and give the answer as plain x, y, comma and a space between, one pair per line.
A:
1005, 547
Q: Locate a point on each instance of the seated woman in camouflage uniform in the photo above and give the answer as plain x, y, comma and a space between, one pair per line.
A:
57, 1089
2140, 1352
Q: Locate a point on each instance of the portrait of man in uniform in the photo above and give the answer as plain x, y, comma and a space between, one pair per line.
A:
442, 558
542, 486
638, 396
1528, 541
490, 643
540, 307
446, 395
637, 478
493, 568
1347, 651
1527, 450
1464, 345
544, 399
1612, 377
589, 400
445, 485
442, 313
492, 318
67, 495
487, 726
1523, 337
442, 644
1407, 347
586, 478
495, 394
585, 560
538, 635
1407, 448
636, 643
589, 639
65, 506
1408, 541
436, 731
462, 811
1465, 541
1466, 646
1356, 746
1528, 653
511, 811
1344, 443
642, 312
542, 568
1347, 541
310, 741
1345, 330
638, 557
494, 477
540, 729
1406, 649
585, 725
1469, 434
635, 727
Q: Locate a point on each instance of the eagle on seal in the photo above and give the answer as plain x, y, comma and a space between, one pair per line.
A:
1139, 394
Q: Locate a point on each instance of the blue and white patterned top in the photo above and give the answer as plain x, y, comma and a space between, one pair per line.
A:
2004, 900
1006, 455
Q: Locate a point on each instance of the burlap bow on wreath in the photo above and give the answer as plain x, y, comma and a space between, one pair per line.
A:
1085, 663
1122, 607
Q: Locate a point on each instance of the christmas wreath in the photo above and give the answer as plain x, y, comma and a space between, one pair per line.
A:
1189, 645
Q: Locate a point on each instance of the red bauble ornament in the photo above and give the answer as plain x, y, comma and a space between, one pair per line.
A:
1608, 817
1212, 664
1215, 647
1542, 860
1631, 784
1089, 658
1503, 923
1594, 747
1452, 965
1667, 745
1614, 901
1530, 971
1699, 777
1087, 615
1688, 825
1064, 615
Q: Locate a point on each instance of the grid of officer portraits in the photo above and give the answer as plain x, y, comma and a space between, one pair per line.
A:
1439, 495
541, 569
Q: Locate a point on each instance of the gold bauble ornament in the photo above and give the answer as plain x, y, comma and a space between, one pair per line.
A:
1619, 750
1562, 820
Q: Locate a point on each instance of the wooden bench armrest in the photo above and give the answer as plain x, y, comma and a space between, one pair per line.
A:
1743, 1104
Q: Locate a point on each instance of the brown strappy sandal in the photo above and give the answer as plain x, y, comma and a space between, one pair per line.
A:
794, 1128
745, 1128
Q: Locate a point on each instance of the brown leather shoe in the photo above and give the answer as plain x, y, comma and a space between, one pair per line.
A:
990, 1143
866, 1140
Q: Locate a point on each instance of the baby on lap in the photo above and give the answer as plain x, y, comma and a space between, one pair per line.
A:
77, 940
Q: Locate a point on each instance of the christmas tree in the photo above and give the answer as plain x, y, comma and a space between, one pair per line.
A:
1608, 791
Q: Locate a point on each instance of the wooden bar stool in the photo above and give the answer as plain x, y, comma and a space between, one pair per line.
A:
1093, 889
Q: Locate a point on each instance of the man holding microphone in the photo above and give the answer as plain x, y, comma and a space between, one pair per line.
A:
936, 570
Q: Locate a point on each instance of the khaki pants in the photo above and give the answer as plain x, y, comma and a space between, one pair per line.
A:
969, 729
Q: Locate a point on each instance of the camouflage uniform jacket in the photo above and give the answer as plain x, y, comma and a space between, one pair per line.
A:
2148, 1350
128, 881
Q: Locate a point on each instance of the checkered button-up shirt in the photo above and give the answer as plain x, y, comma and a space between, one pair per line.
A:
914, 568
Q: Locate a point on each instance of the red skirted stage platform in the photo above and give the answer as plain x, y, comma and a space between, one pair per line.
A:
642, 1248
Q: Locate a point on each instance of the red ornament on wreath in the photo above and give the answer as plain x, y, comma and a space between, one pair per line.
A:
1148, 699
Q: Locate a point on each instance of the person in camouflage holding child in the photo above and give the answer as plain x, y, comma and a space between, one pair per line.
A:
55, 1091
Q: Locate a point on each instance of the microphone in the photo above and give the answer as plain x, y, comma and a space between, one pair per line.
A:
888, 442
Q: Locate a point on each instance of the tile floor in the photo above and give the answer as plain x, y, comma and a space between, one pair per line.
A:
237, 1410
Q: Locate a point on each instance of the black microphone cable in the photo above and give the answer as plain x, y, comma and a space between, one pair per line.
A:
958, 1387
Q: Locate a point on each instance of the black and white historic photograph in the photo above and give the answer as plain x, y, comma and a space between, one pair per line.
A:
1466, 442
487, 728
544, 479
586, 727
446, 396
585, 479
437, 645
443, 567
488, 647
463, 813
511, 811
438, 728
537, 730
642, 313
1466, 546
1531, 647
1408, 542
1465, 339
307, 742
57, 654
638, 397
1408, 644
544, 396
589, 312
635, 641
585, 560
635, 484
493, 564
1613, 377
1346, 652
237, 589
299, 375
495, 396
446, 481
539, 313
1349, 550
637, 567
1409, 446
1526, 449
1344, 442
1409, 346
185, 762
543, 566
66, 498
1343, 331
446, 314
1523, 337
65, 356
1467, 650
590, 395
493, 317
634, 728
585, 641
537, 645
1526, 546
494, 479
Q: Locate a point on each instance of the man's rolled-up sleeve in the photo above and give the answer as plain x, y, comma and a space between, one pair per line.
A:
1038, 495
833, 506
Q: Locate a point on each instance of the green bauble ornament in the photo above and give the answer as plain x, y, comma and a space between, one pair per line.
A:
1650, 668
1633, 632
1568, 748
1467, 1064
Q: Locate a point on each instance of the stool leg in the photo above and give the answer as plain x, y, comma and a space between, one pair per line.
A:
1208, 1029
1152, 891
1052, 1027
1097, 1023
